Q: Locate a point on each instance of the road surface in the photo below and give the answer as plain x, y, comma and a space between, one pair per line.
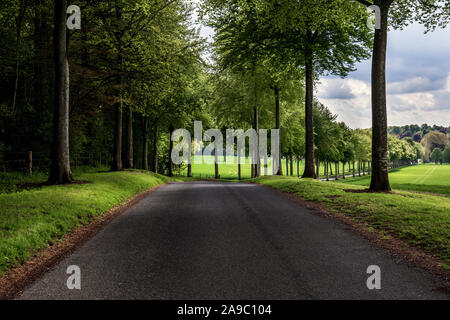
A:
213, 240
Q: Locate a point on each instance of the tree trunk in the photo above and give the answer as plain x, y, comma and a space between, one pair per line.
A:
19, 21
257, 166
252, 171
354, 169
117, 164
380, 176
60, 158
39, 56
317, 168
169, 161
129, 154
189, 174
155, 149
326, 170
298, 167
278, 126
309, 140
343, 170
265, 164
287, 167
336, 166
145, 143
216, 160
292, 164
117, 153
239, 163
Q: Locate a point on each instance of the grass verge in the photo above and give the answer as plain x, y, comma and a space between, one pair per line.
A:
421, 220
427, 178
32, 219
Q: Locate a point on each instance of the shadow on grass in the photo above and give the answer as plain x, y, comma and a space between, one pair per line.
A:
366, 191
38, 185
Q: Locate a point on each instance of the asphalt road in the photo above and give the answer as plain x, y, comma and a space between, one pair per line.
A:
207, 240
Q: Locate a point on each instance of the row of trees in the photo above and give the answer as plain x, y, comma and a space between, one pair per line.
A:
318, 37
404, 151
415, 131
133, 65
439, 156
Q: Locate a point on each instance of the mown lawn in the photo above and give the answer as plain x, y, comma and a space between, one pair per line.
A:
420, 219
230, 171
31, 219
430, 178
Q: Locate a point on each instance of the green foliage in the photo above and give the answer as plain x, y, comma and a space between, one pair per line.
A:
363, 144
144, 53
434, 140
328, 136
436, 155
446, 155
402, 150
334, 32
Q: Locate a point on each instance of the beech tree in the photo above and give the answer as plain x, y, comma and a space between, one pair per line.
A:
436, 155
242, 46
395, 14
126, 25
321, 37
60, 161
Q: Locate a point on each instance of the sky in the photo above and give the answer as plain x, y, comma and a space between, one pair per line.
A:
418, 82
417, 75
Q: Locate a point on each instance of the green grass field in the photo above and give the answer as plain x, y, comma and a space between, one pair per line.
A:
429, 178
230, 171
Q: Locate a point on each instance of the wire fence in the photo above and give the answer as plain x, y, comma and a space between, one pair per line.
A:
29, 162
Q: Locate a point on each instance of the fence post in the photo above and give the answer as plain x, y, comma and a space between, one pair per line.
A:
30, 159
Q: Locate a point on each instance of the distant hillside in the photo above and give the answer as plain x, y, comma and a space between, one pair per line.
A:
430, 137
415, 131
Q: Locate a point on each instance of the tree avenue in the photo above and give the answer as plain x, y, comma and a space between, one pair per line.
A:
113, 88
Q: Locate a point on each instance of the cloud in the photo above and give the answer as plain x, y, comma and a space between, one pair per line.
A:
355, 111
418, 82
411, 54
332, 89
432, 106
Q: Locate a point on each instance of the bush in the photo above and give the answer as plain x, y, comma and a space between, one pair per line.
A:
436, 155
446, 155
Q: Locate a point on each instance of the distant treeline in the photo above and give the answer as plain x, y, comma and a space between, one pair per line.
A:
430, 137
415, 131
